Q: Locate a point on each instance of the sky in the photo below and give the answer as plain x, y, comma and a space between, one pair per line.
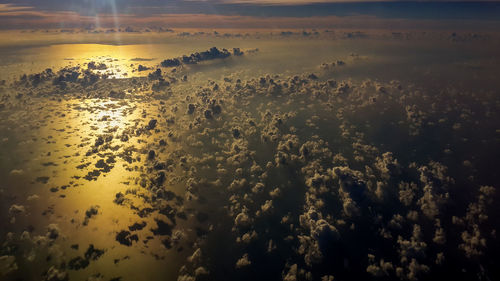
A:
232, 13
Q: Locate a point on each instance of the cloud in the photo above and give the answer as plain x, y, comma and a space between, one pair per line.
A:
242, 219
291, 275
52, 231
125, 238
7, 265
243, 261
16, 209
91, 212
53, 274
196, 257
266, 7
236, 14
10, 9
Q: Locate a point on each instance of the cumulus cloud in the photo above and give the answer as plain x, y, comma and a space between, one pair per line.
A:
243, 261
195, 58
7, 265
53, 274
89, 213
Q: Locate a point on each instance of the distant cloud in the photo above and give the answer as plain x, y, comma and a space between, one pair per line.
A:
290, 2
9, 8
234, 13
275, 8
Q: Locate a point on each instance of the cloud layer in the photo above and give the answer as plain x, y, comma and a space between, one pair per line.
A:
111, 13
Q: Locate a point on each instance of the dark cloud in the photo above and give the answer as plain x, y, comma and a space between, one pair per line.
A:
390, 9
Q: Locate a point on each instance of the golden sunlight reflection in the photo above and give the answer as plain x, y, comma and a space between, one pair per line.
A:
107, 115
91, 179
114, 61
